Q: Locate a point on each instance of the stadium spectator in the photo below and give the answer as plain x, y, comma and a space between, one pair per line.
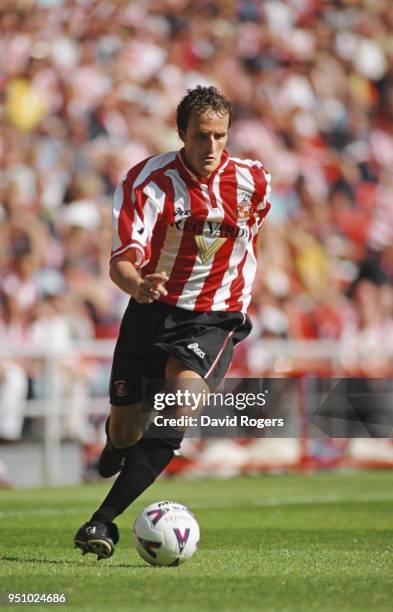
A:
89, 90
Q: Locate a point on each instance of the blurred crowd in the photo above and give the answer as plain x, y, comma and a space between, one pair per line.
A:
90, 87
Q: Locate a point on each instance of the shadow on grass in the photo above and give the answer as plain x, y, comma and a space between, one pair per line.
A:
65, 562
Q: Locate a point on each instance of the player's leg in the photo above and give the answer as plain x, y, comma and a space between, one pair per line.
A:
124, 427
128, 417
146, 459
126, 424
143, 462
182, 378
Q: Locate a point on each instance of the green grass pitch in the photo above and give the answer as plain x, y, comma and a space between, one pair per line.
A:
288, 542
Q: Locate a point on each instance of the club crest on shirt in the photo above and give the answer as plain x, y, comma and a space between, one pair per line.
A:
244, 208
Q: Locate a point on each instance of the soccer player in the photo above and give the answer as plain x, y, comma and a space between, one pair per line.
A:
185, 249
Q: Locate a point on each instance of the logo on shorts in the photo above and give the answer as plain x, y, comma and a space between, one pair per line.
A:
120, 387
195, 348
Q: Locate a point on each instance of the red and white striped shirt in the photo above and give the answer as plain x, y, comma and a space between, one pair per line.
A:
201, 232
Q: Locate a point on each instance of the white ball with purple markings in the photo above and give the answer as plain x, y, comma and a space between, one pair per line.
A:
166, 533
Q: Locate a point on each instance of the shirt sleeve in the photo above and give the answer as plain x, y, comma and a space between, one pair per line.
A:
135, 213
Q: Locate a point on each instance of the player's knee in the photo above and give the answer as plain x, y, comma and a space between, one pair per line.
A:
122, 437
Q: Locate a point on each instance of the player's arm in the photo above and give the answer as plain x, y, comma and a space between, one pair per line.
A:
135, 213
125, 275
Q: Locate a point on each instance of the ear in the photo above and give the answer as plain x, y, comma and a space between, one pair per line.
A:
182, 135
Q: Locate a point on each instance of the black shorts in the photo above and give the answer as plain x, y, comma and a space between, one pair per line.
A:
149, 333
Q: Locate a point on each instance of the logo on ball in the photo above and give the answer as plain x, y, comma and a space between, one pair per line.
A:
166, 534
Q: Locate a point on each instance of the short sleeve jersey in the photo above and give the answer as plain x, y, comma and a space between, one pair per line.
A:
201, 232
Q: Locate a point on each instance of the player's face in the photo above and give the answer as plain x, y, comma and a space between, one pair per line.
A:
204, 141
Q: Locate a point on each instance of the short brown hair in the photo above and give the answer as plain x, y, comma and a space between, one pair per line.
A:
200, 99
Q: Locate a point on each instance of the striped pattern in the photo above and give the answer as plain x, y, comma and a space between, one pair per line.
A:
202, 233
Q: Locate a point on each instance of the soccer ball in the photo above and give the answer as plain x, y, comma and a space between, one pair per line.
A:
166, 533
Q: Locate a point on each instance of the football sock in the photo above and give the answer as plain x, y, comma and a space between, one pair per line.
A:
144, 461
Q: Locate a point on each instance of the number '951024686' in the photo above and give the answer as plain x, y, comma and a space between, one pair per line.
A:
34, 598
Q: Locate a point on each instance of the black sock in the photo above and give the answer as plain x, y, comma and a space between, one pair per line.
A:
143, 463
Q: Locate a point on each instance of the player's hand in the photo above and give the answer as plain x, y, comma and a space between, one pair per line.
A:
151, 288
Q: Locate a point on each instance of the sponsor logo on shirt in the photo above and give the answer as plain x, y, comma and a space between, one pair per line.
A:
208, 248
209, 236
210, 228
